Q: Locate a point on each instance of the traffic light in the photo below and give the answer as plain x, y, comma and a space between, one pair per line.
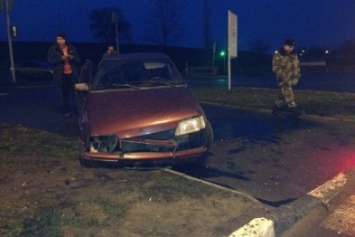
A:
6, 5
222, 53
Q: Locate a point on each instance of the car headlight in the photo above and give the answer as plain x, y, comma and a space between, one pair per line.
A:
190, 125
102, 144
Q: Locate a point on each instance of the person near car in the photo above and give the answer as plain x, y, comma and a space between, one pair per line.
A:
109, 52
65, 60
286, 67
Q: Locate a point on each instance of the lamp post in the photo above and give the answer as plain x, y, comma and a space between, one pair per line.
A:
6, 5
115, 21
213, 55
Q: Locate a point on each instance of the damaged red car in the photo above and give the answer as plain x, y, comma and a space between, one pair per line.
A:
138, 108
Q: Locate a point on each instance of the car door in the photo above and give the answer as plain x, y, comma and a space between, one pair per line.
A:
84, 77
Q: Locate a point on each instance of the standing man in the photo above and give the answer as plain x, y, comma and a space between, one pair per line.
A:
109, 52
65, 59
286, 67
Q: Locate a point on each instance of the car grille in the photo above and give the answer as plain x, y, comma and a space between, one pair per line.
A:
165, 141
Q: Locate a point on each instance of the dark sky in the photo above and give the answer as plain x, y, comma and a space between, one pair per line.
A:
323, 23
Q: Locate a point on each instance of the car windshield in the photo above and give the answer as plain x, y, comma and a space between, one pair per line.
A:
137, 73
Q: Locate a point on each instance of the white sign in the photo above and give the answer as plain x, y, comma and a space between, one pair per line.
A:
232, 34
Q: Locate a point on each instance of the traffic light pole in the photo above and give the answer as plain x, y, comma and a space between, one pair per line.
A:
117, 39
8, 7
115, 21
12, 67
229, 73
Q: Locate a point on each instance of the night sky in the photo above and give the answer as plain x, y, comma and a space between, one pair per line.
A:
319, 23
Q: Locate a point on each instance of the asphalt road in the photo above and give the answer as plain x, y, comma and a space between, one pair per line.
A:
37, 107
276, 165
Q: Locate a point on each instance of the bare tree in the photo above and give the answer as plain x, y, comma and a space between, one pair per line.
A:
259, 46
166, 25
103, 27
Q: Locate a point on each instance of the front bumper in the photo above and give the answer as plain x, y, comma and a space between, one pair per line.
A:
182, 149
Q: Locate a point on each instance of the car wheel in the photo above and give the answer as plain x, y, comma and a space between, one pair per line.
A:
201, 161
209, 135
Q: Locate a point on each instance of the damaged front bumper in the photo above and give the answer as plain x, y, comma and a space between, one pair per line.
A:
178, 149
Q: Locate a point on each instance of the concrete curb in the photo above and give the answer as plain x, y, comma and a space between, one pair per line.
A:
285, 217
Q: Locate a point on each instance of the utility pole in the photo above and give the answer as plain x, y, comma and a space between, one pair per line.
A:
115, 21
213, 55
6, 5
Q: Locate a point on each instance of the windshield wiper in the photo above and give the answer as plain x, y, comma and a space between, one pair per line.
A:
160, 81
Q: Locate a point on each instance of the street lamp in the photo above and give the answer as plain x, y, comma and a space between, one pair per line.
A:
115, 21
6, 6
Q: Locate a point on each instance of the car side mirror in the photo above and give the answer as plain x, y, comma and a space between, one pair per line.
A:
81, 87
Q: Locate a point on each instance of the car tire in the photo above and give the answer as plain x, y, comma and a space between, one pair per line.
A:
209, 136
201, 161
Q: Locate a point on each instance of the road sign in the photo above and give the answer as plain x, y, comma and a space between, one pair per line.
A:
232, 34
232, 42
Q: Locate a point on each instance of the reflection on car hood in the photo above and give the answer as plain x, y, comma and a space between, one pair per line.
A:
130, 113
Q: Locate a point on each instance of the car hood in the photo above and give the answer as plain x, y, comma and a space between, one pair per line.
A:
135, 112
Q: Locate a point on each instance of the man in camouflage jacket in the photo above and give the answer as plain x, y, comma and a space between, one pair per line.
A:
286, 67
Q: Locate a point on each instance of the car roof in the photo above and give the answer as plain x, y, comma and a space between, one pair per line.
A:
130, 56
32, 61
43, 63
110, 61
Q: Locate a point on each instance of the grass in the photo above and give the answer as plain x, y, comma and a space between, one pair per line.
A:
45, 222
171, 189
37, 200
320, 103
36, 142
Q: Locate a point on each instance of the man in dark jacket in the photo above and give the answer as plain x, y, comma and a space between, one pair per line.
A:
286, 67
109, 52
65, 60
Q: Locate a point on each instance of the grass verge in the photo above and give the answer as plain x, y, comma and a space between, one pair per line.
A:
45, 192
320, 103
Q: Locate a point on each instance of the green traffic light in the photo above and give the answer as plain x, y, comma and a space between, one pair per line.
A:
222, 53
